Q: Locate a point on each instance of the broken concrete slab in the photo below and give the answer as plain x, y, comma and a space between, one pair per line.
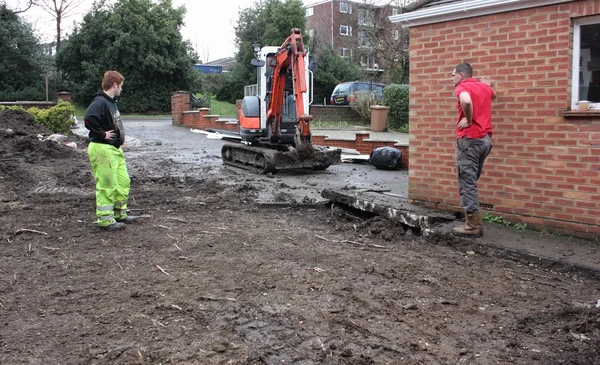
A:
393, 206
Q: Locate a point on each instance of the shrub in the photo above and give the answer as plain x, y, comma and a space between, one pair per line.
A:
396, 96
1, 108
362, 105
57, 119
15, 107
27, 93
39, 115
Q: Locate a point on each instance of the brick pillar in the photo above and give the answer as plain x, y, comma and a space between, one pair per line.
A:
238, 108
180, 102
65, 96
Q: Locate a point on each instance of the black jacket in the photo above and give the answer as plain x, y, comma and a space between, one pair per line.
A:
103, 115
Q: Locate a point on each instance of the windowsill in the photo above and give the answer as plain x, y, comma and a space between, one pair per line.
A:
581, 113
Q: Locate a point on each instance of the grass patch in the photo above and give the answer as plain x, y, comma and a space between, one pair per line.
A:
339, 124
222, 108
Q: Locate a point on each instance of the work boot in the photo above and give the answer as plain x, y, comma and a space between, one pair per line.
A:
116, 226
472, 228
128, 219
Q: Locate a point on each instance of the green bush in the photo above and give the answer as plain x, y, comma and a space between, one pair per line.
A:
1, 108
362, 104
57, 119
15, 107
27, 93
396, 96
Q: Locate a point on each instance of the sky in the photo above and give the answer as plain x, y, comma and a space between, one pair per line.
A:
208, 24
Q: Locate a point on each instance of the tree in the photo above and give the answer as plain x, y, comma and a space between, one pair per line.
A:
331, 71
267, 23
20, 64
381, 42
20, 7
142, 41
59, 10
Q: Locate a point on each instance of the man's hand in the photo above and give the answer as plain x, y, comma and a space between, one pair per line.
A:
463, 124
109, 134
486, 80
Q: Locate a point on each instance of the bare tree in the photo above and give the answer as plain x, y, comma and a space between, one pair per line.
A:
20, 6
59, 10
382, 44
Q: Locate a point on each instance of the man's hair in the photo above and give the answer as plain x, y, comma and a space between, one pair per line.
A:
465, 69
110, 77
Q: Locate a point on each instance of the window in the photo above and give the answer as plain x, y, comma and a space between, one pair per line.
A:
311, 33
586, 60
394, 11
345, 30
345, 8
345, 52
396, 34
309, 11
364, 39
365, 17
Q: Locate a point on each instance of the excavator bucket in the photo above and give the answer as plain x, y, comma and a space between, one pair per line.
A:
264, 160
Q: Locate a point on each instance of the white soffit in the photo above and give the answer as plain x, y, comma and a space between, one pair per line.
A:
466, 9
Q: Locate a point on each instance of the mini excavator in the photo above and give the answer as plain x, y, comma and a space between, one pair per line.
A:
274, 122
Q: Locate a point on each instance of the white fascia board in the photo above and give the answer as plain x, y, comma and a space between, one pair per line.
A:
466, 9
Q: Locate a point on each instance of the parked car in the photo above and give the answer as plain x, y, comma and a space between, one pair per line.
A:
345, 93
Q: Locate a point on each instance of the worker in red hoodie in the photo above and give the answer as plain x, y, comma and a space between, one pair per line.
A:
106, 136
473, 142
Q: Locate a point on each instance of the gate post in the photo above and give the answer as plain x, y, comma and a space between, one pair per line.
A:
180, 102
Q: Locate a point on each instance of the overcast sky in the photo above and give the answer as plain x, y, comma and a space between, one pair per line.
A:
208, 24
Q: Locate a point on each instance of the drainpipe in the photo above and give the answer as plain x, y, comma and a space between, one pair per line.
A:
332, 25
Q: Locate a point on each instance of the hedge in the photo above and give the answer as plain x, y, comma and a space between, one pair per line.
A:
396, 96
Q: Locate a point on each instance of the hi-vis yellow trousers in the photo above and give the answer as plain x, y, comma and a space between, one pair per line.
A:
112, 182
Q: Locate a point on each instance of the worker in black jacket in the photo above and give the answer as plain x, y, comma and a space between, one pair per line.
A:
103, 120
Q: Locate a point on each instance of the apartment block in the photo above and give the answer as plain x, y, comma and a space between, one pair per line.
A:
356, 30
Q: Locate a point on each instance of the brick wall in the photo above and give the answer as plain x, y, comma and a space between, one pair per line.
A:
333, 113
362, 145
201, 119
30, 104
544, 169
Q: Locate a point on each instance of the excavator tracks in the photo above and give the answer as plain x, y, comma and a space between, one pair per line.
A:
265, 160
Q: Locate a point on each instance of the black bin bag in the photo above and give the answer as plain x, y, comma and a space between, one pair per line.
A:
386, 158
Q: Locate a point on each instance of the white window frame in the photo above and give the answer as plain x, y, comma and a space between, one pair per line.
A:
345, 8
396, 34
345, 52
311, 33
577, 23
394, 11
310, 11
348, 30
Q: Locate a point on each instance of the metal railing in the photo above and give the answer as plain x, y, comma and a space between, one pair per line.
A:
196, 103
251, 90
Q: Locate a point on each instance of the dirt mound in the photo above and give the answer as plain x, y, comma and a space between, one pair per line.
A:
23, 139
20, 122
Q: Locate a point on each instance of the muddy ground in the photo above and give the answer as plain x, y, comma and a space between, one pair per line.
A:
213, 275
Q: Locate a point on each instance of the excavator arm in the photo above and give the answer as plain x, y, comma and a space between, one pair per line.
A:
290, 55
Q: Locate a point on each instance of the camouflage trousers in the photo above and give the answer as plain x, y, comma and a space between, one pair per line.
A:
470, 156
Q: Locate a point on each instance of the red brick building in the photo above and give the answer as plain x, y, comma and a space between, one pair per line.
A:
354, 30
544, 169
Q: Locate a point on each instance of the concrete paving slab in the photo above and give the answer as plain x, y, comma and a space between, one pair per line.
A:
394, 206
